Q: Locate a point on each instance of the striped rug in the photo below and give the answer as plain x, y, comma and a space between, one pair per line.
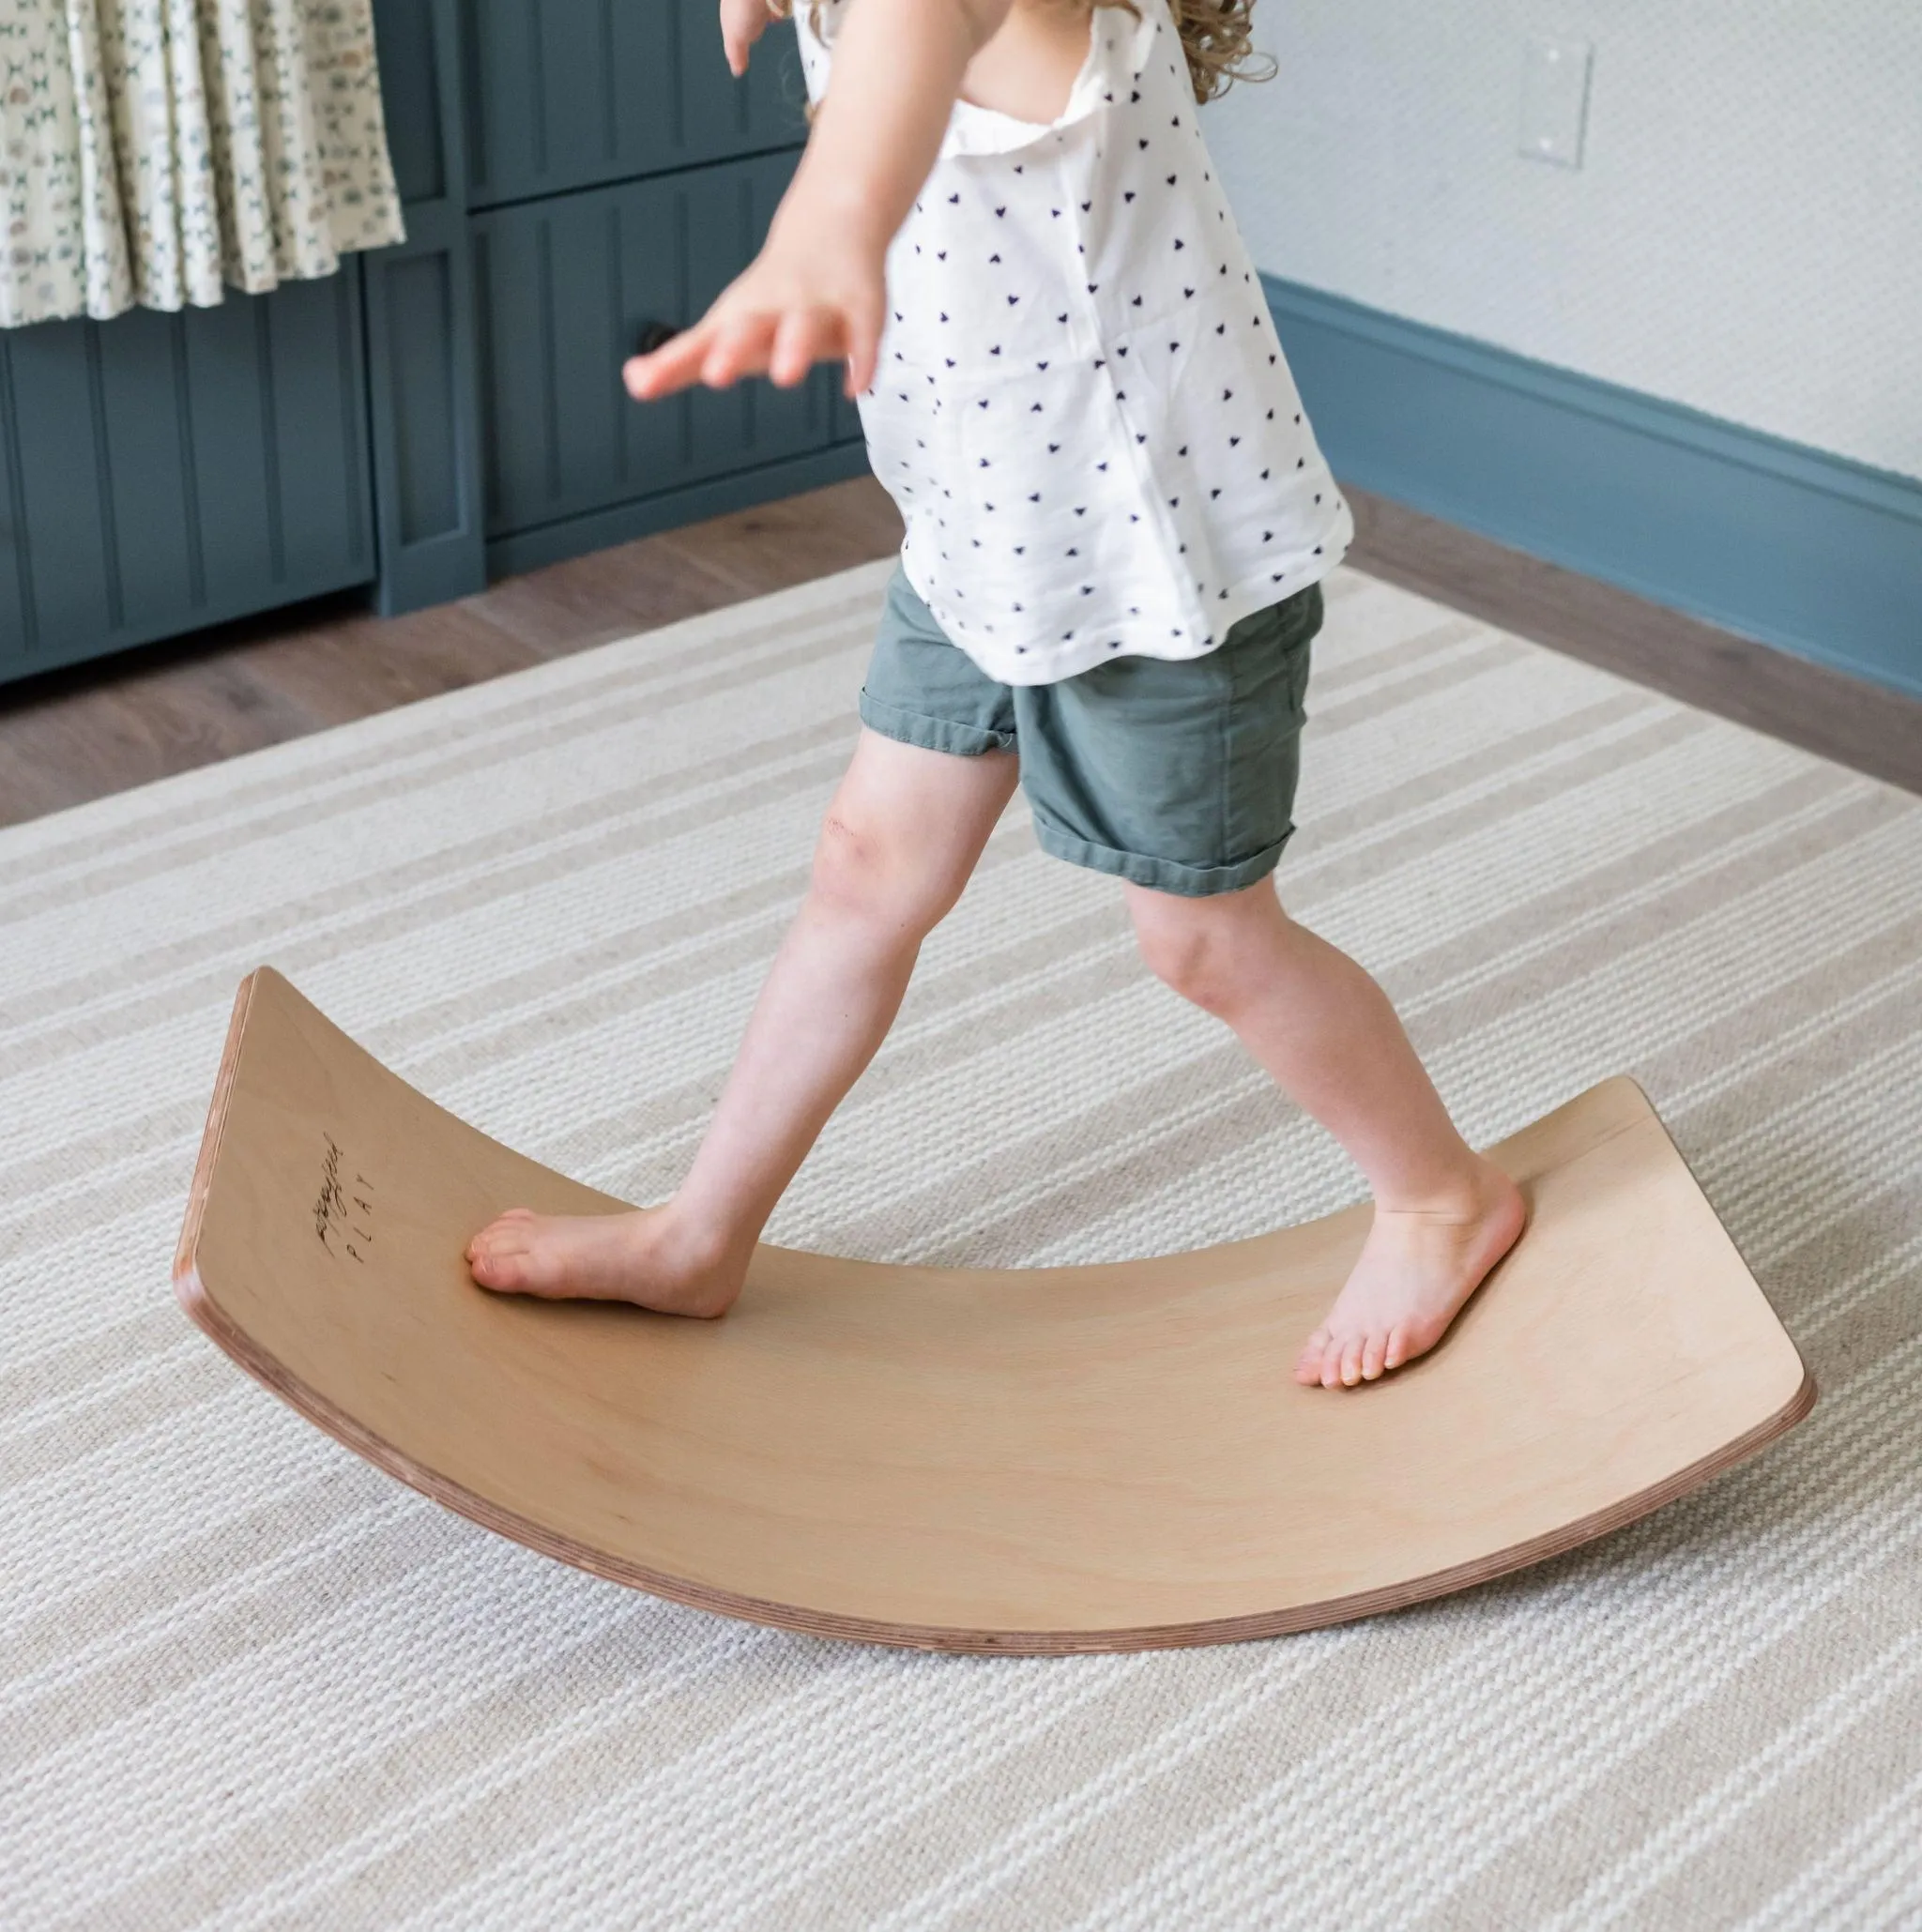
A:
245, 1681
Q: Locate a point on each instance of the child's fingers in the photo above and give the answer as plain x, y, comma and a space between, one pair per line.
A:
676, 364
733, 43
709, 352
712, 351
742, 23
741, 347
783, 345
863, 333
805, 337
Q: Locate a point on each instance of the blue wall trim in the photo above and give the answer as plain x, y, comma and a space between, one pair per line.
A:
1789, 545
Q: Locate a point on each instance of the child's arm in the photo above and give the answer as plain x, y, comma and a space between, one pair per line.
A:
817, 289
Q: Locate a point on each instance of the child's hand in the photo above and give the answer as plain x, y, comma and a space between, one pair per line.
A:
807, 297
742, 23
817, 290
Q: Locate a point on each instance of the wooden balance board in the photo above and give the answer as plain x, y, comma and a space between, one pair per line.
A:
1035, 1460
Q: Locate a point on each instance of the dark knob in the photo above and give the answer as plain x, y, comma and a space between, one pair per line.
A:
652, 335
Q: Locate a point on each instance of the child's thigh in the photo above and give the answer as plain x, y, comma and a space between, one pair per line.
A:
1177, 774
914, 814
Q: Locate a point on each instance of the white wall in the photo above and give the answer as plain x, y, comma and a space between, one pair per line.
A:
1745, 233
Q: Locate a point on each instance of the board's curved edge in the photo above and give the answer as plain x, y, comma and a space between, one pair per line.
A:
530, 1534
201, 1183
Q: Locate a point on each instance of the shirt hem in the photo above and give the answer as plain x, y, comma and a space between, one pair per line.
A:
1051, 665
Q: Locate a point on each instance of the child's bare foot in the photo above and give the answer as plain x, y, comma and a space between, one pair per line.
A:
644, 1256
1415, 1270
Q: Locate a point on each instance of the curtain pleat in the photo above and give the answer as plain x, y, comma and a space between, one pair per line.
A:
157, 151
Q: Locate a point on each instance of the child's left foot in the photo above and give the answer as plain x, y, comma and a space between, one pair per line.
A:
1415, 1270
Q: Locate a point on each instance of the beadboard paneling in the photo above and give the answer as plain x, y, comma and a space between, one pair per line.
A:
164, 471
563, 289
564, 94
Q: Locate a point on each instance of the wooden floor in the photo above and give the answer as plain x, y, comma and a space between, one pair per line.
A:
81, 734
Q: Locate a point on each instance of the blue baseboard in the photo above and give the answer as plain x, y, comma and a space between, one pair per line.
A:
1791, 546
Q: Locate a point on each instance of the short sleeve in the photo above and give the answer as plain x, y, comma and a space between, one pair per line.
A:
1117, 48
1113, 58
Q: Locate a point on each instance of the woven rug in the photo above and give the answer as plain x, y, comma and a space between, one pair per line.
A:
245, 1681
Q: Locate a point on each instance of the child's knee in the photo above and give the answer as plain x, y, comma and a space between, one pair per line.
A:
852, 864
1198, 947
1188, 954
863, 872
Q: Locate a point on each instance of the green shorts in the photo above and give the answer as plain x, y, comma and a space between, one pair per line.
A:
1176, 773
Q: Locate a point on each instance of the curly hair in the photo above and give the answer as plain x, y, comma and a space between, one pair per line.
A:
1215, 37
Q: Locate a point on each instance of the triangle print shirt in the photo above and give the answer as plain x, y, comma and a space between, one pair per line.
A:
1081, 406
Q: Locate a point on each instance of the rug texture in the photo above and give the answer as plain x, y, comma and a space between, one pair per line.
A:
246, 1680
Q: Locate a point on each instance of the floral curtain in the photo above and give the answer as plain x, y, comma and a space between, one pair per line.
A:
153, 150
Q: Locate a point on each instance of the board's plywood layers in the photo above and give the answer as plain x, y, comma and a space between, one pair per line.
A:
1044, 1460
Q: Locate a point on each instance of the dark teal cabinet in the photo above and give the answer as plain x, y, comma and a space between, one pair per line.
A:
573, 171
161, 472
563, 289
566, 94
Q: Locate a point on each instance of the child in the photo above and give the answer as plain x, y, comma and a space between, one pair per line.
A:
1006, 223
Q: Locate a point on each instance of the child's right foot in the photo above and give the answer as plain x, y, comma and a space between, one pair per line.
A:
642, 1256
1413, 1276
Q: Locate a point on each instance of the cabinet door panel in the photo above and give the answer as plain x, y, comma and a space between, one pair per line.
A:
165, 471
65, 569
318, 450
563, 94
564, 289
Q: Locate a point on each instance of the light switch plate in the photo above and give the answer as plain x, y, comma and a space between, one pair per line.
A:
1554, 99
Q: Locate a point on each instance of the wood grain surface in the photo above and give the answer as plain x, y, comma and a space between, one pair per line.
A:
1048, 1460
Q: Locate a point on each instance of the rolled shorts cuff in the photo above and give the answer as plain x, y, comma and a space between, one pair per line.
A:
1160, 874
932, 734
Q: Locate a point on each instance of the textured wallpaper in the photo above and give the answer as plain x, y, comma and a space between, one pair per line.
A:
1745, 233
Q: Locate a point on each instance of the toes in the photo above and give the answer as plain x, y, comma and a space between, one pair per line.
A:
510, 1226
1351, 1361
515, 1226
1342, 1361
497, 1256
1308, 1363
496, 1270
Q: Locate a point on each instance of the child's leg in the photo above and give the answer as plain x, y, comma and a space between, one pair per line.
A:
899, 841
1324, 1030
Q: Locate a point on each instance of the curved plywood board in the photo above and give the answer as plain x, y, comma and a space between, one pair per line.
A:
1042, 1460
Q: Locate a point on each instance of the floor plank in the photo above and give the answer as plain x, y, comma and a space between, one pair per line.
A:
1847, 719
120, 721
102, 727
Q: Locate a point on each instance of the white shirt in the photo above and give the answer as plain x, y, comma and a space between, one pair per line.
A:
1081, 406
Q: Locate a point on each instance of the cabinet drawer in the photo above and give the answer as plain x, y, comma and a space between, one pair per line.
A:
164, 471
566, 93
562, 291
